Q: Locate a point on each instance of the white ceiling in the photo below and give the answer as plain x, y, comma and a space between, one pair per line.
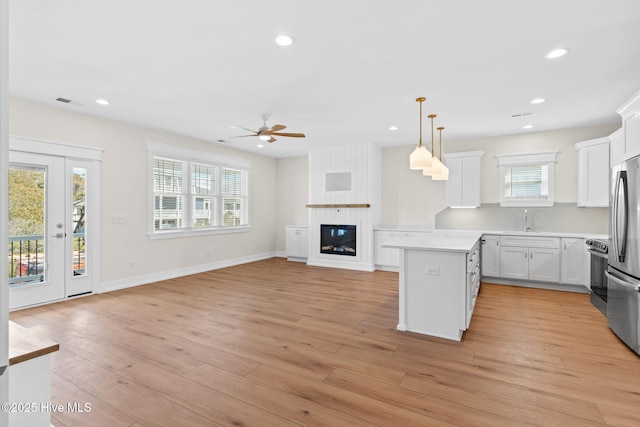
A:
195, 67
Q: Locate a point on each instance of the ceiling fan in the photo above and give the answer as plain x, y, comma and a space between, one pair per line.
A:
266, 133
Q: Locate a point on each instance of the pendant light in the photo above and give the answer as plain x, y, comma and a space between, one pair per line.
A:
436, 165
420, 158
444, 172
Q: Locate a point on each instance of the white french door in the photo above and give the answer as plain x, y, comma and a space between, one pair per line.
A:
37, 229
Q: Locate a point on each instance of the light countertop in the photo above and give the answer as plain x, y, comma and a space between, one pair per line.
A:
438, 240
493, 232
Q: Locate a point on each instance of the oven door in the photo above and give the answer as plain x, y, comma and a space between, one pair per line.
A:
598, 281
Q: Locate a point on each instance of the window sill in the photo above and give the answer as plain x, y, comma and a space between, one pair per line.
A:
171, 234
526, 203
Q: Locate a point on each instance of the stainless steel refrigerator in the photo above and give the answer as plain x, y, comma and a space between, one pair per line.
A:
623, 272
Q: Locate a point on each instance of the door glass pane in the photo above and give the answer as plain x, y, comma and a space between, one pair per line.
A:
79, 213
26, 225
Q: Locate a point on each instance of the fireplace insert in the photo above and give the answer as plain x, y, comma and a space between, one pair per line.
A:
338, 239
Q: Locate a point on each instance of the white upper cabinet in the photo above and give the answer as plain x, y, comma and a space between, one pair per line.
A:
616, 148
593, 172
463, 186
630, 114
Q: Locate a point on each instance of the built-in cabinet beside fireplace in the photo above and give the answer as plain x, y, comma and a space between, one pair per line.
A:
297, 242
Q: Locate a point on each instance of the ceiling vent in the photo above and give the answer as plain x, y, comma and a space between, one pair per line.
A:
65, 100
521, 114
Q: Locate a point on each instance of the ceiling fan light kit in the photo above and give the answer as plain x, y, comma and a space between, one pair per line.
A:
266, 133
421, 159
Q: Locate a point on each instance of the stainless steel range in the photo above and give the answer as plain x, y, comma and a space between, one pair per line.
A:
599, 259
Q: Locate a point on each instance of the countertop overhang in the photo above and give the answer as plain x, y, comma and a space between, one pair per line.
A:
439, 240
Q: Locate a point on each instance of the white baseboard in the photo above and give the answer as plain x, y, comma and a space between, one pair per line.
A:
130, 282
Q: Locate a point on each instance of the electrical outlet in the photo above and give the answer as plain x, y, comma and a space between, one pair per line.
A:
132, 265
432, 271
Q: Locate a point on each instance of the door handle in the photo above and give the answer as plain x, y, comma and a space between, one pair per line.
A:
60, 235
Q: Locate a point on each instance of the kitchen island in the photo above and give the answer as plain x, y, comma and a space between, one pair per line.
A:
439, 282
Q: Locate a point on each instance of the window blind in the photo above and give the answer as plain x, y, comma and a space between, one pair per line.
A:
527, 182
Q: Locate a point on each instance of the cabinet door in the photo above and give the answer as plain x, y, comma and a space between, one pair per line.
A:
574, 262
454, 186
490, 258
471, 181
616, 152
593, 178
514, 262
303, 242
631, 126
291, 242
544, 265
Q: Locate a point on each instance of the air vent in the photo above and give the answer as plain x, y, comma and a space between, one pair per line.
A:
521, 114
65, 100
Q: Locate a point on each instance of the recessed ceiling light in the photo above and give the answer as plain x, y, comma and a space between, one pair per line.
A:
284, 40
538, 101
102, 101
557, 53
393, 127
260, 146
527, 126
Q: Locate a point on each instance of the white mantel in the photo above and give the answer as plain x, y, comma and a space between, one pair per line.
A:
348, 175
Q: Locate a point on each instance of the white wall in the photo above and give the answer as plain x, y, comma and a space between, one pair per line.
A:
124, 192
292, 194
409, 198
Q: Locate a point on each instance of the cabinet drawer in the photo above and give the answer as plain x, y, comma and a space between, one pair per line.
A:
530, 242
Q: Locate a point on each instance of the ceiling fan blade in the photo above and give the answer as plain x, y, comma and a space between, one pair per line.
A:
241, 136
271, 139
240, 127
292, 135
276, 128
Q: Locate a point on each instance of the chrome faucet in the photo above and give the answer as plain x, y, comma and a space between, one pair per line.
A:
525, 227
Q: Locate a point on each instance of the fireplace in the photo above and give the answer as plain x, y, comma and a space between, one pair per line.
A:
338, 239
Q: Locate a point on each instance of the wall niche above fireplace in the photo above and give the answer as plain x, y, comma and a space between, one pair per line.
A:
338, 239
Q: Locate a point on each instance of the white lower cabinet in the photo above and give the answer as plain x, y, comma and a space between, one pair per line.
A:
490, 255
297, 242
575, 262
530, 258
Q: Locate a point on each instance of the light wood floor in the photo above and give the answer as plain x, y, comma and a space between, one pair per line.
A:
276, 343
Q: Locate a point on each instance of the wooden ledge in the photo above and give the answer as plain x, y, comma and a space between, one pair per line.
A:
347, 205
26, 345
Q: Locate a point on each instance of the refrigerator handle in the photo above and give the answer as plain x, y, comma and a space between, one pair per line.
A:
622, 282
620, 230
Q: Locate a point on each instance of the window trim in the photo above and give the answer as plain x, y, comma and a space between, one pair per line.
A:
536, 159
156, 149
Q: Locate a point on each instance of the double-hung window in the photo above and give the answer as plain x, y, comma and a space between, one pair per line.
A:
527, 179
197, 192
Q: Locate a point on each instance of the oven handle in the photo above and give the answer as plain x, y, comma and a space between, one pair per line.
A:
598, 254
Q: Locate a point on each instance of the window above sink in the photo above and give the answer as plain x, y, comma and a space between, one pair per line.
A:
527, 180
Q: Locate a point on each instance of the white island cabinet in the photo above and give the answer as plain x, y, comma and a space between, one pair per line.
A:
439, 282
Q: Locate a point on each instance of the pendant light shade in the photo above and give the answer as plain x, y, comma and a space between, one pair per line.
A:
436, 166
421, 157
435, 169
443, 174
